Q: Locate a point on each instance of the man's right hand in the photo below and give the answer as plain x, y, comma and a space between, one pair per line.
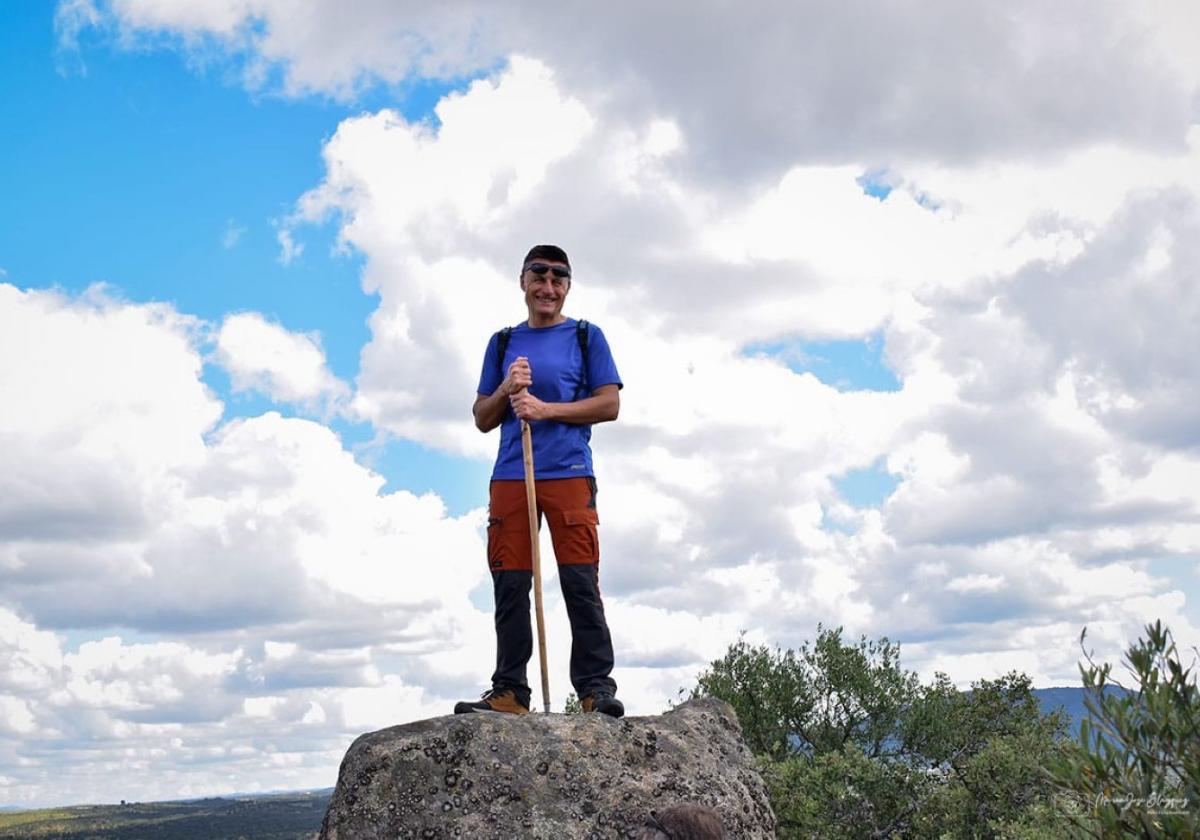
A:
489, 409
519, 376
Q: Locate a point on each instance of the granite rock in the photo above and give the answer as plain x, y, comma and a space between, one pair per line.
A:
546, 777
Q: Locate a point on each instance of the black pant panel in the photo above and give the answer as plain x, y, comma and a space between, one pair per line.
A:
514, 635
591, 644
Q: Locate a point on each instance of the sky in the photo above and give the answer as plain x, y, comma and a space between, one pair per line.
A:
904, 298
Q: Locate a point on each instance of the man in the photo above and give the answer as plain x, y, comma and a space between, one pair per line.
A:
558, 374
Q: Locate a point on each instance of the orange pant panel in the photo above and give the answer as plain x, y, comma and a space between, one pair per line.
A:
568, 506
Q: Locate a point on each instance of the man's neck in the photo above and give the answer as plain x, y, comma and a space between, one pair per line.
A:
535, 322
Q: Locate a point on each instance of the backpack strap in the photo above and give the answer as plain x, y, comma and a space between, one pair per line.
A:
581, 333
502, 339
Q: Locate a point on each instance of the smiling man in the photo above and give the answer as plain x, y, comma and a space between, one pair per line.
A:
558, 374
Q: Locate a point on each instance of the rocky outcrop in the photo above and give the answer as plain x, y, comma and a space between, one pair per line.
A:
547, 777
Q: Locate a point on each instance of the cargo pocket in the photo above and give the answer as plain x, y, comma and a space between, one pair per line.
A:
579, 541
495, 523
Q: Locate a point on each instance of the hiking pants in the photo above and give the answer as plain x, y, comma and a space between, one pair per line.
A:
569, 507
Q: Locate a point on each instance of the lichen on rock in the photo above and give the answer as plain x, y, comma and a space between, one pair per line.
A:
546, 777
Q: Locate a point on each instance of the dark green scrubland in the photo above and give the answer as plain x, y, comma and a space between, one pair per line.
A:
294, 816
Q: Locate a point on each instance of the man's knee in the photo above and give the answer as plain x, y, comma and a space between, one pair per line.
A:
510, 589
580, 581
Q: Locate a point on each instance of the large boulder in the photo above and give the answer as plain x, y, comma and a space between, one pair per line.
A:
546, 777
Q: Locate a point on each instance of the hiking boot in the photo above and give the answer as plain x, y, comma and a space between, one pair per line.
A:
603, 703
495, 700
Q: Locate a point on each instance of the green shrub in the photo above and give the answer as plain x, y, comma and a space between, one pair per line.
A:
851, 745
1136, 768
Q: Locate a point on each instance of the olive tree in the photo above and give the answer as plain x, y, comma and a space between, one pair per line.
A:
1136, 768
853, 745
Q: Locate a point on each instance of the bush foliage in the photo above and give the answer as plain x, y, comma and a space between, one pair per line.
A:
1135, 771
853, 746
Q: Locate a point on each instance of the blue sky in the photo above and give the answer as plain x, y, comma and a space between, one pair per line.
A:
234, 475
169, 182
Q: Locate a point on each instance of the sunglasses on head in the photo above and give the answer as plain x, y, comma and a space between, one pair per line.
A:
540, 269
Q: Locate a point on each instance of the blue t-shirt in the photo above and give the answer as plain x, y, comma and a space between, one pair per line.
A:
560, 450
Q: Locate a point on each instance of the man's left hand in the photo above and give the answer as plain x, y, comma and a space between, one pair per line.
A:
528, 407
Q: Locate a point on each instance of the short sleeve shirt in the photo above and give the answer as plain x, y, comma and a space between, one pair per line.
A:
560, 450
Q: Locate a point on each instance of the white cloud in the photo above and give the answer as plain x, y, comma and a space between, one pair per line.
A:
15, 716
262, 554
795, 82
1030, 275
289, 248
71, 17
410, 196
287, 366
722, 464
156, 720
232, 234
221, 17
31, 656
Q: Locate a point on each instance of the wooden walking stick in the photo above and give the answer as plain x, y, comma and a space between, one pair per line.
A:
531, 503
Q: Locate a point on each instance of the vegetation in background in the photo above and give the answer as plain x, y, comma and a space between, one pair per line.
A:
1135, 771
852, 745
282, 817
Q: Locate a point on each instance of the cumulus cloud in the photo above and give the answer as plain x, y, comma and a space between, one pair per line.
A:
724, 459
257, 555
1026, 259
287, 366
154, 720
795, 82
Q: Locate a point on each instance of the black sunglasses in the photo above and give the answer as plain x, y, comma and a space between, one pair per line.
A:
541, 268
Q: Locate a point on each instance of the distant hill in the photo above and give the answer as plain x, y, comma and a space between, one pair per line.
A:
1070, 701
288, 816
292, 815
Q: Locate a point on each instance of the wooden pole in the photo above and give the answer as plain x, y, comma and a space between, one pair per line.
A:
531, 503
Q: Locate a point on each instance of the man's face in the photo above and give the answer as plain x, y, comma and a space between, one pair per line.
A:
545, 292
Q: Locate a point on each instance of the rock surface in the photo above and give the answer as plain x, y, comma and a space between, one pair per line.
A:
546, 777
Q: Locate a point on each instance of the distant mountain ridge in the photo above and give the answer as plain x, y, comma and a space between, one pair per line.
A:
272, 817
301, 811
1070, 701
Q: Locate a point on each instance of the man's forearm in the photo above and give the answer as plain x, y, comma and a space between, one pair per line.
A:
598, 408
489, 411
601, 406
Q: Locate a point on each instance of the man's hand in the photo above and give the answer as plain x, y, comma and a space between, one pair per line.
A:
528, 407
524, 404
520, 376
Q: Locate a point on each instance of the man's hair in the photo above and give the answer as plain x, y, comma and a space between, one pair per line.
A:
545, 252
685, 822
